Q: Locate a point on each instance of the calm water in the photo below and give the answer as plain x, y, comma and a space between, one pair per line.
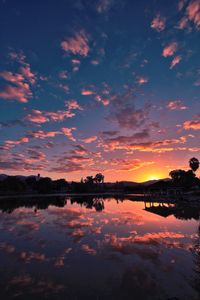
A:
89, 248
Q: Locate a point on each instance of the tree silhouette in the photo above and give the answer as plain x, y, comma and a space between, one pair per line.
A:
89, 180
194, 164
99, 178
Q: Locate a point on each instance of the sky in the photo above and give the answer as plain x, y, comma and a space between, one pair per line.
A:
89, 86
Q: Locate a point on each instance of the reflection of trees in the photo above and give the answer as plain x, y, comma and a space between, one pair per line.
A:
90, 202
186, 212
10, 204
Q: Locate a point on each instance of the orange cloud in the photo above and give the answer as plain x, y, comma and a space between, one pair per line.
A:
170, 49
192, 124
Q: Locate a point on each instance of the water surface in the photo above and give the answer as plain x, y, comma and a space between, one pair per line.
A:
92, 248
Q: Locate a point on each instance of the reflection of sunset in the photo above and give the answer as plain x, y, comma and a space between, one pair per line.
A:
71, 235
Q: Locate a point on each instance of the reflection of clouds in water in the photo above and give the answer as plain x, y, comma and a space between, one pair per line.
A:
76, 237
8, 248
26, 284
151, 243
88, 249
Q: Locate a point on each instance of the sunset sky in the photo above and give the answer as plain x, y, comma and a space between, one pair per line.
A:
89, 86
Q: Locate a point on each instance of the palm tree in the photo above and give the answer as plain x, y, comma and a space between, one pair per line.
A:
194, 164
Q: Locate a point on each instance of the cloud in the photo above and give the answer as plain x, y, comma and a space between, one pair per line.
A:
102, 100
37, 116
86, 92
68, 133
78, 44
21, 140
192, 124
176, 105
123, 111
36, 155
193, 12
63, 75
170, 49
142, 80
19, 87
90, 139
103, 6
67, 168
40, 134
158, 23
133, 143
79, 150
110, 132
175, 61
123, 164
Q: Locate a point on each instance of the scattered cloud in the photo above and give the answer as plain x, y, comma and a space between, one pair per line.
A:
175, 61
176, 105
158, 23
90, 139
78, 44
192, 124
170, 49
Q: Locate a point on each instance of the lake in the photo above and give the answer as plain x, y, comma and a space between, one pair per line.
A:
94, 248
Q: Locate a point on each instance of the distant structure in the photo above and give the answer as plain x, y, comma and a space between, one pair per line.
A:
38, 177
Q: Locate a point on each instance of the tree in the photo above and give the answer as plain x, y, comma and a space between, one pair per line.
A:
177, 175
99, 178
89, 180
194, 164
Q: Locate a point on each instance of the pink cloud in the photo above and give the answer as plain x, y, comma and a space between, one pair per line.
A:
85, 92
20, 94
43, 135
19, 83
36, 116
170, 49
183, 23
103, 100
68, 133
176, 105
175, 61
90, 139
17, 142
78, 44
193, 12
73, 104
28, 74
158, 23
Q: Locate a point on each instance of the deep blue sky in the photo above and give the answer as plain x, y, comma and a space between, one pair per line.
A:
103, 85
